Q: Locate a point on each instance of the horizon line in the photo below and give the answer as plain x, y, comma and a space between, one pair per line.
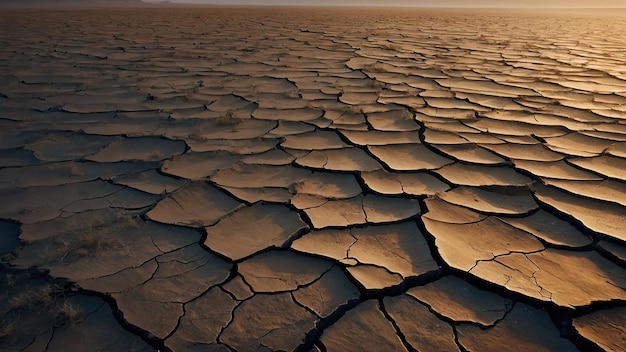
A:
166, 3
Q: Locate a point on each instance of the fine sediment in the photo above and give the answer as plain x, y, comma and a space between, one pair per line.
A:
312, 179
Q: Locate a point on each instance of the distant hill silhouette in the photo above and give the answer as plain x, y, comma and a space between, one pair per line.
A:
57, 3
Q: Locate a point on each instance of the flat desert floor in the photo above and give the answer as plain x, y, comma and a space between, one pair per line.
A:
272, 179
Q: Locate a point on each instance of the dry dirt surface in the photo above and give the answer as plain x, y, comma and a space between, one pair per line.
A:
267, 179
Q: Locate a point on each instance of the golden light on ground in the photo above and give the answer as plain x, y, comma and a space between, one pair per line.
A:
312, 179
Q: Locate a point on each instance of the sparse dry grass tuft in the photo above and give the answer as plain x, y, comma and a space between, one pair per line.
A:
34, 298
131, 222
23, 300
70, 312
98, 242
6, 329
75, 170
46, 294
90, 242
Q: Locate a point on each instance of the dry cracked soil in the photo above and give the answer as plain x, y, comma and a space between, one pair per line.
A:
272, 179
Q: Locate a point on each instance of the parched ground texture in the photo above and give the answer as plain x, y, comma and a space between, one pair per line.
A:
248, 179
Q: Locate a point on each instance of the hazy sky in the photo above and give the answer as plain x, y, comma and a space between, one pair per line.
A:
430, 3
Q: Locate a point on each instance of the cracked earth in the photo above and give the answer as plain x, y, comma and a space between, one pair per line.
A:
313, 180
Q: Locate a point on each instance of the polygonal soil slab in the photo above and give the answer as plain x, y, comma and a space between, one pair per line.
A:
442, 211
358, 210
60, 173
400, 250
270, 157
145, 148
251, 229
605, 190
360, 329
554, 275
603, 217
35, 204
483, 86
395, 120
254, 195
422, 329
515, 128
287, 114
533, 152
329, 185
478, 175
100, 251
326, 295
550, 102
268, 322
226, 127
203, 320
605, 328
554, 169
470, 153
364, 138
523, 329
257, 176
346, 159
67, 146
464, 246
437, 136
282, 270
198, 166
414, 183
181, 276
550, 229
496, 201
197, 204
96, 327
151, 182
409, 157
577, 144
314, 141
613, 249
460, 301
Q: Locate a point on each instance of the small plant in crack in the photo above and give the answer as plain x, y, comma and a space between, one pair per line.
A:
70, 312
46, 295
22, 300
35, 298
79, 245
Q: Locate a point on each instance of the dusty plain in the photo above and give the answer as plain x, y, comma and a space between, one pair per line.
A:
267, 179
